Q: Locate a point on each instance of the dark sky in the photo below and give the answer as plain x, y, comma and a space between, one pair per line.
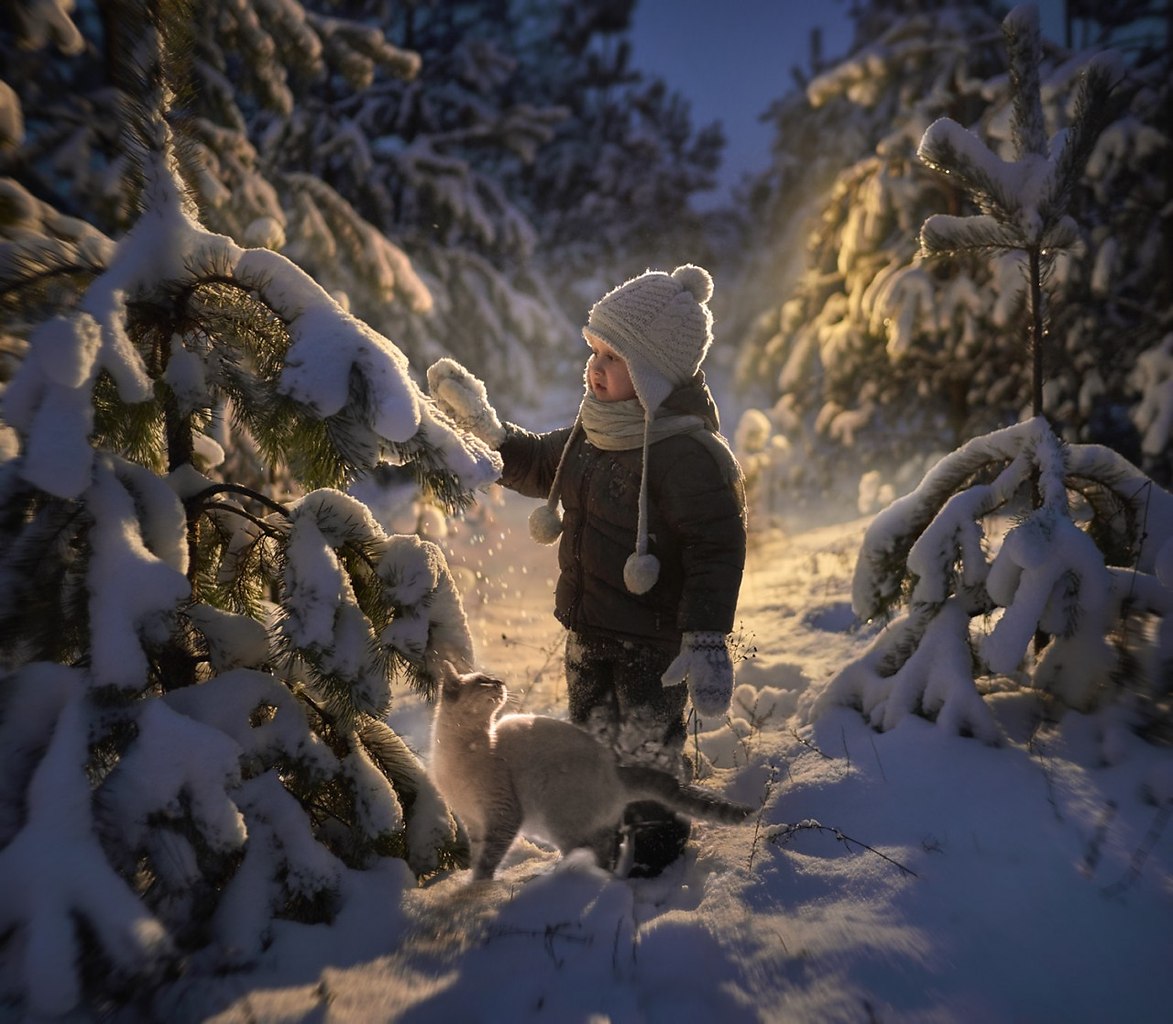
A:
731, 58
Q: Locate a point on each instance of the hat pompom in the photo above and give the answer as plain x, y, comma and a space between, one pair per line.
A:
696, 279
545, 524
640, 573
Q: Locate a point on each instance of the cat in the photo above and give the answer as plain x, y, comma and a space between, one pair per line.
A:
518, 773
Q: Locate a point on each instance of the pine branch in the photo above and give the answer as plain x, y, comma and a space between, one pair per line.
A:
201, 498
44, 273
135, 430
883, 566
1100, 99
1115, 522
393, 757
44, 614
947, 235
939, 150
1024, 46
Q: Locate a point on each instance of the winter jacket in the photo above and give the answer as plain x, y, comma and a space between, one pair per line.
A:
696, 525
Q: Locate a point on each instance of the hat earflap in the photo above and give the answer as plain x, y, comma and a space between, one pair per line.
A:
545, 524
545, 521
642, 570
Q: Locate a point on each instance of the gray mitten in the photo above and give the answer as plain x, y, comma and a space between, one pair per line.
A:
463, 399
704, 663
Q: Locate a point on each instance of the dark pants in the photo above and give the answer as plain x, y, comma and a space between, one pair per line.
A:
616, 694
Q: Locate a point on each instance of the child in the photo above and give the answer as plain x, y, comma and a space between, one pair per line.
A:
653, 527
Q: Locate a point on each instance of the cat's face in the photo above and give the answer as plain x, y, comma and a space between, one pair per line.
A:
471, 690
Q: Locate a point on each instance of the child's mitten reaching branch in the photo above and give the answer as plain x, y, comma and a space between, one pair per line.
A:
462, 397
704, 663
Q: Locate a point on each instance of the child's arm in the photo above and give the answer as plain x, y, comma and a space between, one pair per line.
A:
702, 499
531, 460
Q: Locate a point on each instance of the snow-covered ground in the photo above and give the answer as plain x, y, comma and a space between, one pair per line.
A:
905, 876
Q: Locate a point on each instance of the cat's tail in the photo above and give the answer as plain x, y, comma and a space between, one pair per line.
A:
643, 782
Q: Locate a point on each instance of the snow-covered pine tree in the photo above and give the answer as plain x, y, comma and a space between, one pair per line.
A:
861, 374
527, 168
612, 193
310, 131
193, 674
248, 68
882, 359
434, 154
1024, 561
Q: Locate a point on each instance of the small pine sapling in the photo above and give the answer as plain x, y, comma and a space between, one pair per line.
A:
1057, 545
1024, 201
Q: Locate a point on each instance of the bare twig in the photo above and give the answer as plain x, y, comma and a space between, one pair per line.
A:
784, 833
564, 930
1141, 853
1038, 747
554, 652
260, 524
810, 746
876, 751
1095, 846
771, 779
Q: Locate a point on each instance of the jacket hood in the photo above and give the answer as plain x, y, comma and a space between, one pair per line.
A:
694, 399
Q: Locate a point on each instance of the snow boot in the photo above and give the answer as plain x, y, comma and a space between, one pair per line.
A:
656, 837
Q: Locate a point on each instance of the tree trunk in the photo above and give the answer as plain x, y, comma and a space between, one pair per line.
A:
1036, 331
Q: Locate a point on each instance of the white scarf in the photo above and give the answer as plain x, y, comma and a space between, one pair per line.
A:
620, 426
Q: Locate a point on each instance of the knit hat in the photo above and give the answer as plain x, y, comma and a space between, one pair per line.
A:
661, 325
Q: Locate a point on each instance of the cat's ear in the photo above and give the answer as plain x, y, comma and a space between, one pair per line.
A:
449, 677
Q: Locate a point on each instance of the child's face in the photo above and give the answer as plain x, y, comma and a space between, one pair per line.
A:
607, 373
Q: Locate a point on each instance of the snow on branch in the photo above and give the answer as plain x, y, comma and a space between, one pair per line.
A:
357, 49
1023, 202
215, 761
992, 529
1152, 378
336, 223
934, 678
336, 368
884, 557
177, 768
1100, 97
229, 701
429, 625
55, 870
997, 186
1020, 29
42, 23
133, 593
283, 863
322, 618
327, 345
356, 605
